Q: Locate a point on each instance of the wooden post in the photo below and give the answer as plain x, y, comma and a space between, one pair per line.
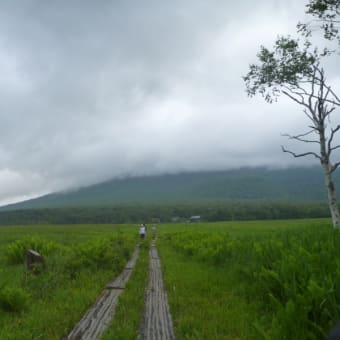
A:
34, 259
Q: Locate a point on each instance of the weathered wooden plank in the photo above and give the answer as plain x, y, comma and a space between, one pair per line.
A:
154, 253
120, 281
157, 323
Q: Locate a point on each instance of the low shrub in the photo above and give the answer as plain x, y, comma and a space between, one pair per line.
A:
13, 299
15, 252
101, 253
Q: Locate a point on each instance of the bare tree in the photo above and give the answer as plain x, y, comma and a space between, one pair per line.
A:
296, 73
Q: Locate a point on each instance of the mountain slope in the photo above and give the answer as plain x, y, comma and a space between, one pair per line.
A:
297, 184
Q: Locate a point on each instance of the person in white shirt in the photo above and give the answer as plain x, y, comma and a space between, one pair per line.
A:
142, 231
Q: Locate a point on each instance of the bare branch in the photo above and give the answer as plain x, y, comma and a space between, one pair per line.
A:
337, 102
290, 92
329, 101
328, 112
298, 91
334, 101
320, 81
335, 147
301, 154
306, 134
300, 102
330, 148
302, 90
298, 138
312, 92
335, 166
309, 115
316, 130
330, 91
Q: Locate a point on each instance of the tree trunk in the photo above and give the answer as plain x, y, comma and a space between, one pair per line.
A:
333, 207
327, 169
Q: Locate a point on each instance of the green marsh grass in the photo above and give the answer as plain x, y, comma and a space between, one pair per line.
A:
225, 280
203, 301
82, 261
252, 280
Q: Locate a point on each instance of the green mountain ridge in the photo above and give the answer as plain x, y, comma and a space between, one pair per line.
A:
292, 184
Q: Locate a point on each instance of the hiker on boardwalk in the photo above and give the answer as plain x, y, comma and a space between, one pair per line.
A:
142, 231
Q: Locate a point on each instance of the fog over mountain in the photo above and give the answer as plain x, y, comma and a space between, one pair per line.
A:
93, 90
246, 185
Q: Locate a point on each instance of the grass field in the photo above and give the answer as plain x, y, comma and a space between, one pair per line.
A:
80, 260
226, 280
252, 280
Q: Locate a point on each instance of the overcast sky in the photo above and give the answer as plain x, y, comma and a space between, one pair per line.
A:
92, 90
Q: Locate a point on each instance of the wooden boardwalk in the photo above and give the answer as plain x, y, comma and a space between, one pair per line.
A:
100, 315
157, 322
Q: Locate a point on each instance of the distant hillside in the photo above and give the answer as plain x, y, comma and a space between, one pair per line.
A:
295, 184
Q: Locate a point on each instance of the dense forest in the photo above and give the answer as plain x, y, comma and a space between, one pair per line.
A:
243, 194
238, 210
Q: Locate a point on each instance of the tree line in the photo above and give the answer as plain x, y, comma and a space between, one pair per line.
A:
242, 210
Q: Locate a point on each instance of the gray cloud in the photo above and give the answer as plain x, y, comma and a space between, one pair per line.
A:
94, 90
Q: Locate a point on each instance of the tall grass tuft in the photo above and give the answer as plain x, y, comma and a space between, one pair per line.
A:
13, 299
15, 252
